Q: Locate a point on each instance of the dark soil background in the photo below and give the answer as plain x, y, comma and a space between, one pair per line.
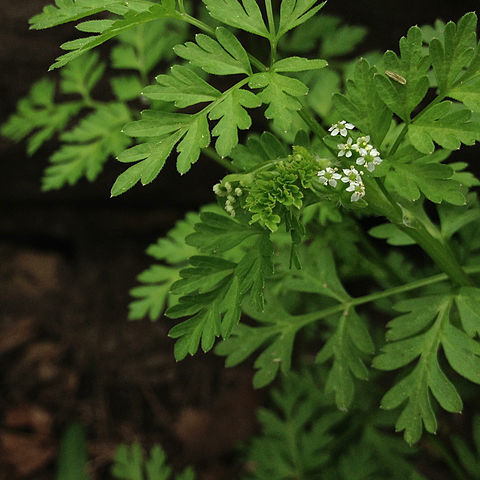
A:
67, 262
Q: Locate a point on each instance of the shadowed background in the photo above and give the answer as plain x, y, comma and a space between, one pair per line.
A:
67, 261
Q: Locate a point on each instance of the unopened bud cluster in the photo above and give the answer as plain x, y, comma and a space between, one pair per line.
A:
361, 151
227, 190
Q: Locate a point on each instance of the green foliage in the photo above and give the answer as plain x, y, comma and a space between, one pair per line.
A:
446, 127
426, 326
296, 436
281, 94
131, 14
286, 241
362, 105
88, 146
130, 464
451, 54
226, 56
152, 297
414, 174
469, 458
244, 14
348, 347
304, 436
72, 458
212, 288
405, 91
38, 114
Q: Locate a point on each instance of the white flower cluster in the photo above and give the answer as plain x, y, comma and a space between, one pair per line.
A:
226, 190
366, 156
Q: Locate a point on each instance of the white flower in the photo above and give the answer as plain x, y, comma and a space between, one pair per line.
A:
362, 144
345, 149
329, 176
358, 190
351, 175
238, 192
370, 160
341, 128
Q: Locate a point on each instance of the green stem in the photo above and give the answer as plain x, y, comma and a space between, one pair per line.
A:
439, 252
213, 155
404, 131
272, 30
398, 141
425, 235
315, 127
355, 302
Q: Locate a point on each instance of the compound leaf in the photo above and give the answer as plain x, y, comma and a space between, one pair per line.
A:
447, 126
211, 290
183, 87
66, 11
39, 114
347, 346
82, 75
405, 83
108, 30
426, 177
226, 56
153, 295
275, 328
362, 105
232, 115
456, 51
419, 333
282, 94
244, 14
295, 12
88, 147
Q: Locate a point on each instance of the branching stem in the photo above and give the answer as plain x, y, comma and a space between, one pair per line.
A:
355, 302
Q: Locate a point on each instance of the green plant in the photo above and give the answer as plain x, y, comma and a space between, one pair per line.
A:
276, 259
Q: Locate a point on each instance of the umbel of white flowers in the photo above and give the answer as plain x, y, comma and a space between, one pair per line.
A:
364, 154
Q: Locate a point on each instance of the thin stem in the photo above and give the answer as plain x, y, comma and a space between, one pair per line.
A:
404, 131
315, 127
398, 141
355, 302
181, 7
195, 22
272, 30
213, 155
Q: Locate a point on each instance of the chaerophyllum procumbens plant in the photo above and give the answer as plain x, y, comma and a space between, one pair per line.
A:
349, 229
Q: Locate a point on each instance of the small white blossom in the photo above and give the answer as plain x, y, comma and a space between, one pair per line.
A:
358, 190
362, 144
351, 175
341, 128
329, 176
228, 187
238, 192
345, 149
370, 160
